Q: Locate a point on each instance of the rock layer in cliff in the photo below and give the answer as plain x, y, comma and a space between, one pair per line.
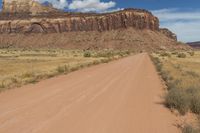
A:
25, 7
168, 33
130, 38
65, 22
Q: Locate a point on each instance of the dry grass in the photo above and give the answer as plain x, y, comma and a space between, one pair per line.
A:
181, 72
19, 67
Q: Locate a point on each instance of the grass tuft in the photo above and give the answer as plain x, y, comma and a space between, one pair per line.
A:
189, 129
87, 54
23, 66
182, 77
181, 55
177, 99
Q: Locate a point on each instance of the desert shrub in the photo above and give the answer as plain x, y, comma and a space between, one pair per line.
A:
159, 67
184, 99
105, 60
87, 54
194, 94
192, 73
121, 54
106, 54
127, 52
177, 66
174, 53
165, 54
195, 104
75, 68
51, 74
173, 84
158, 64
96, 62
32, 80
181, 55
62, 69
188, 129
14, 80
2, 85
165, 76
28, 75
192, 53
177, 99
156, 60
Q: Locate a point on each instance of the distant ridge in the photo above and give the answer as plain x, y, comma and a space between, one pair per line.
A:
194, 44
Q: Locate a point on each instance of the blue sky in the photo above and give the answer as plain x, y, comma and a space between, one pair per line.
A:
180, 16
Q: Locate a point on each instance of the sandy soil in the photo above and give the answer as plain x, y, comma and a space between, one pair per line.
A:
123, 96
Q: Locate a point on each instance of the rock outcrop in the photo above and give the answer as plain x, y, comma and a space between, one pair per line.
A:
27, 16
25, 7
168, 33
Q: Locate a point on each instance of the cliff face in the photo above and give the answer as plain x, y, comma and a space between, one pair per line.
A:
25, 6
168, 33
68, 22
26, 23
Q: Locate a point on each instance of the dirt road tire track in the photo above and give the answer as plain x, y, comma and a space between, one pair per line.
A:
123, 96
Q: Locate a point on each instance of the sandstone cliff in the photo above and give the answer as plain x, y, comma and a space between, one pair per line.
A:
28, 24
168, 33
25, 6
65, 22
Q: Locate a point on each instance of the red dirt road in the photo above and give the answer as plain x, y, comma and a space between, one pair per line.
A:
123, 96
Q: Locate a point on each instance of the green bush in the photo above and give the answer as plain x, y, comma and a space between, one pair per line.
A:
157, 63
193, 74
62, 69
105, 60
87, 54
75, 68
174, 53
173, 84
181, 55
194, 93
2, 85
165, 76
192, 53
32, 80
127, 52
106, 54
188, 129
165, 54
195, 104
96, 62
28, 75
178, 99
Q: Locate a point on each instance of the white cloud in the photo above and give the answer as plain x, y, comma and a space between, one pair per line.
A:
82, 5
185, 24
60, 4
186, 31
91, 5
176, 14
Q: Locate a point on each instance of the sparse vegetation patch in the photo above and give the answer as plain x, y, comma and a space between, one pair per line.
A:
181, 73
183, 82
21, 66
